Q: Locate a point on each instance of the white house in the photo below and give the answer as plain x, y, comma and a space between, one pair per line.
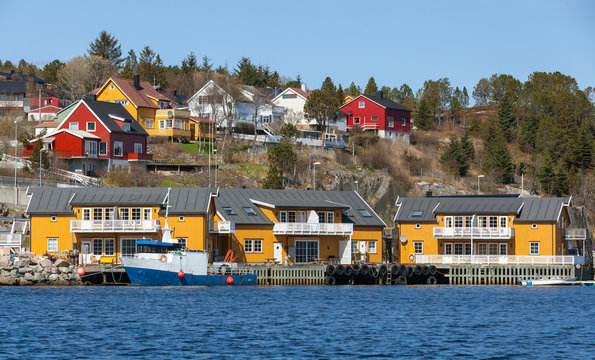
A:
293, 100
230, 106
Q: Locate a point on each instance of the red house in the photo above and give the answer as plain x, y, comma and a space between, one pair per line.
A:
47, 98
99, 135
384, 117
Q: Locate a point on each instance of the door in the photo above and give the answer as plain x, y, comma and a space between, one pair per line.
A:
278, 252
362, 250
345, 252
86, 252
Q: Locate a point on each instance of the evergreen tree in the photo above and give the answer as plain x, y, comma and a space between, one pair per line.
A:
50, 71
584, 151
458, 155
206, 65
506, 118
328, 86
423, 118
130, 66
353, 90
189, 63
274, 179
465, 98
547, 176
371, 88
340, 95
34, 158
496, 155
467, 146
107, 47
455, 107
561, 186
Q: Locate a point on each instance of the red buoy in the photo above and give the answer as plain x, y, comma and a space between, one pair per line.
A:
81, 271
180, 274
229, 280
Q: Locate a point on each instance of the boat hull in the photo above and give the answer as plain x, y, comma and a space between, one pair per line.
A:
154, 277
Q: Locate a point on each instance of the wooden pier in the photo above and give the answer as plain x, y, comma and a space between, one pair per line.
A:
287, 274
473, 274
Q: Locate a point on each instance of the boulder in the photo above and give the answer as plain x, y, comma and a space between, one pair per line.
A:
23, 270
55, 270
61, 263
5, 261
38, 268
4, 251
64, 270
54, 277
21, 263
8, 280
45, 263
25, 282
61, 282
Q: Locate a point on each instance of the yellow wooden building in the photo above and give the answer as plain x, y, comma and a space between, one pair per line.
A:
153, 110
298, 226
480, 229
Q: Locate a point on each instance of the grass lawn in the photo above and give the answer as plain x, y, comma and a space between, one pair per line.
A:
193, 148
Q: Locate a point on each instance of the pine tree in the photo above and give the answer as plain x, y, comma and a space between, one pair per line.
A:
465, 99
584, 147
506, 118
353, 90
130, 66
547, 176
328, 86
423, 117
107, 47
561, 186
371, 88
496, 155
206, 65
189, 64
273, 179
467, 146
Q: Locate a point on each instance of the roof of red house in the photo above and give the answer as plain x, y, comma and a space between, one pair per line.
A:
48, 124
139, 97
48, 109
382, 101
78, 133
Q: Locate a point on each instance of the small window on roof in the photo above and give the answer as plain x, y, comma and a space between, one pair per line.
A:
417, 213
346, 213
249, 211
364, 213
229, 211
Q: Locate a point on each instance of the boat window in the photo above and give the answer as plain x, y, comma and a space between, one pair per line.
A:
364, 213
249, 211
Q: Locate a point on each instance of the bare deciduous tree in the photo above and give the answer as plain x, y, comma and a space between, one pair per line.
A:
81, 75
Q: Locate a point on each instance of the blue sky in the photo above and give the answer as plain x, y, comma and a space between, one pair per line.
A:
396, 42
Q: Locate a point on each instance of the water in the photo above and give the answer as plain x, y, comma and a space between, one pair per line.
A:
297, 322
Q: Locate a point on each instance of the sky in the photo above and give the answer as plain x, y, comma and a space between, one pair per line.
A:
396, 42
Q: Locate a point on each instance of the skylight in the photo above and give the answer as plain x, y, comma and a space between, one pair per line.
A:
229, 211
364, 213
417, 213
249, 211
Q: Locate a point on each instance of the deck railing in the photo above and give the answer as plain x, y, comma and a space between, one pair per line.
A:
499, 259
473, 232
574, 234
222, 227
131, 226
312, 229
11, 240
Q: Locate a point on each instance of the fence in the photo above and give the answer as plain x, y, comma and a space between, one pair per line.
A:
499, 259
287, 274
505, 275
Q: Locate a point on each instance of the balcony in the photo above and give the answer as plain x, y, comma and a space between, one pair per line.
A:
312, 229
139, 157
222, 227
574, 234
500, 259
111, 226
11, 240
473, 232
370, 126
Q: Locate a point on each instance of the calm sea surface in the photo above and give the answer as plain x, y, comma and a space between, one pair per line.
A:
297, 322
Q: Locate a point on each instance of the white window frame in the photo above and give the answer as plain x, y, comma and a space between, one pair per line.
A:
283, 216
138, 148
52, 244
458, 220
91, 147
94, 126
301, 217
448, 221
113, 242
73, 126
183, 242
87, 213
248, 246
482, 221
112, 87
458, 249
291, 214
120, 145
494, 222
93, 246
126, 126
531, 244
505, 222
418, 226
124, 210
330, 217
321, 217
391, 122
128, 246
372, 246
149, 123
104, 151
136, 214
361, 104
533, 226
180, 219
108, 213
53, 219
467, 248
149, 212
403, 122
505, 246
490, 246
418, 247
482, 248
354, 247
97, 211
257, 246
468, 221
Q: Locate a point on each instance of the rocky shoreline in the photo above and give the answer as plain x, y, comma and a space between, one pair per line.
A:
37, 271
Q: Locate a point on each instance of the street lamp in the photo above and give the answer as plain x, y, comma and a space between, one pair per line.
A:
479, 177
41, 150
314, 166
16, 143
216, 167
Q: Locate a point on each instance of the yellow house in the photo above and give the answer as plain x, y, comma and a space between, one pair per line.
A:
201, 129
499, 229
297, 226
151, 109
104, 223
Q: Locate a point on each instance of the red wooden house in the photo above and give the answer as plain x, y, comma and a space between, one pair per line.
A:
98, 135
382, 116
47, 99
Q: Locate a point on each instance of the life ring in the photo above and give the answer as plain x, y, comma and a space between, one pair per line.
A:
411, 257
163, 258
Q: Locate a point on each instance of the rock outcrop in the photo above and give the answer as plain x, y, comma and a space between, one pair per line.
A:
37, 270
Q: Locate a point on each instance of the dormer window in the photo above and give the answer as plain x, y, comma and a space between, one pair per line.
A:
126, 126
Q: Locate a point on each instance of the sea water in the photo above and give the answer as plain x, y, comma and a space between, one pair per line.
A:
322, 322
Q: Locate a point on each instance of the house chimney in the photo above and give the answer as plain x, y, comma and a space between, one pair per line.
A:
137, 82
380, 94
304, 87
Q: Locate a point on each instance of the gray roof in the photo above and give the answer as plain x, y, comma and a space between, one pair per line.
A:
531, 209
237, 199
387, 103
104, 109
12, 87
61, 200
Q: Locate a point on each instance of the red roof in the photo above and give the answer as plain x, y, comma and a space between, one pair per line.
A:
139, 97
200, 119
48, 124
49, 109
302, 92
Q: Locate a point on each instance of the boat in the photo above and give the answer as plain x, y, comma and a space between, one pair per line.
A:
161, 263
549, 282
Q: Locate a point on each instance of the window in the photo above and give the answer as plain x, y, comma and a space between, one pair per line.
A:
91, 148
183, 242
306, 251
321, 217
503, 249
482, 221
258, 245
391, 122
162, 124
248, 245
112, 87
149, 123
403, 122
124, 214
418, 226
179, 124
109, 213
362, 104
126, 126
138, 148
289, 96
372, 247
52, 244
534, 248
458, 249
374, 118
53, 219
102, 148
301, 216
417, 213
291, 216
493, 248
229, 211
482, 249
98, 247
135, 214
147, 214
283, 216
330, 217
86, 214
458, 221
91, 126
118, 148
468, 221
354, 247
356, 120
364, 213
121, 102
503, 221
448, 221
97, 214
169, 123
181, 218
109, 247
493, 221
127, 247
448, 249
73, 126
467, 248
534, 226
419, 247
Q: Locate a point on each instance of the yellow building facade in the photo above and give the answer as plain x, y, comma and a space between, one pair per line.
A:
478, 228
